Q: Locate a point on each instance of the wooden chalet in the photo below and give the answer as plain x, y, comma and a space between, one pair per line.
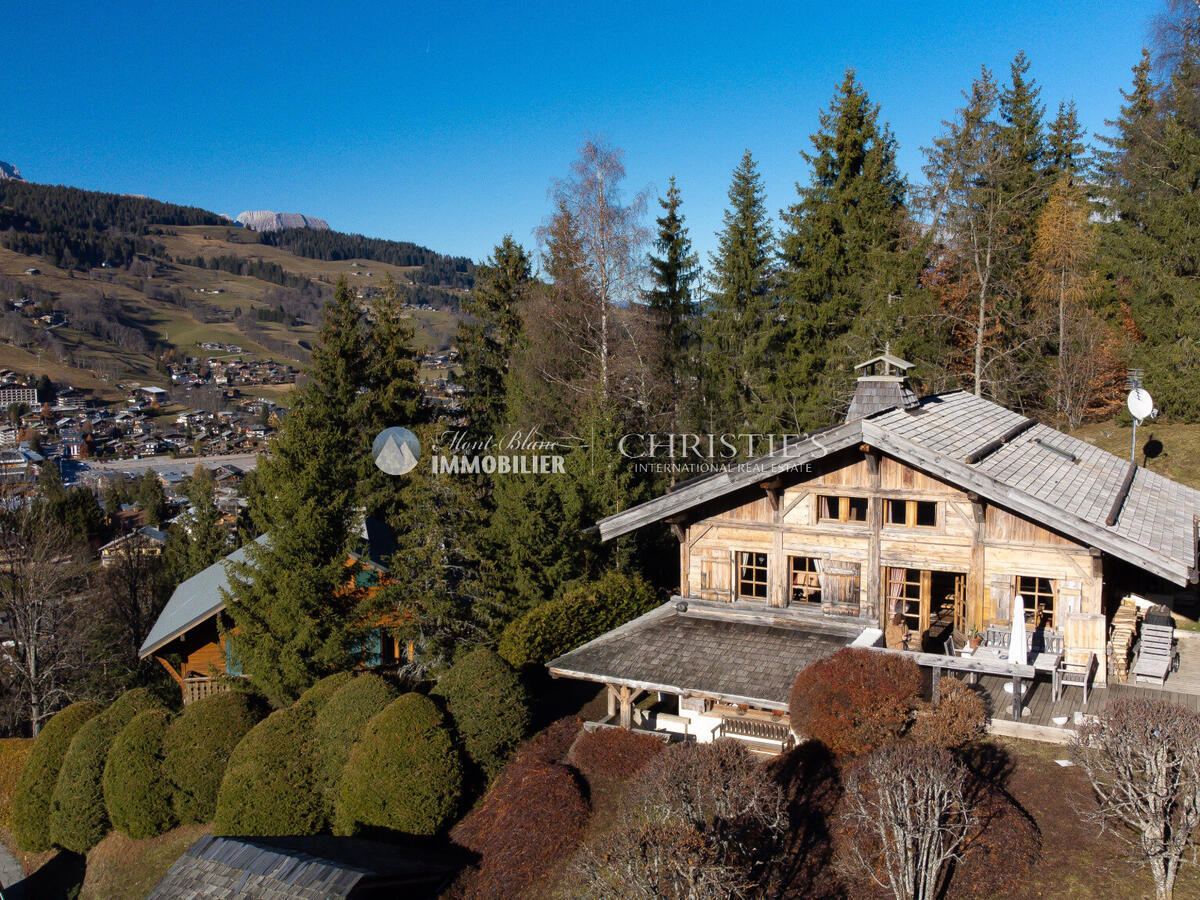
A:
941, 510
188, 639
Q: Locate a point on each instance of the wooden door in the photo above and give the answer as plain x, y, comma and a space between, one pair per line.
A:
960, 604
715, 575
840, 586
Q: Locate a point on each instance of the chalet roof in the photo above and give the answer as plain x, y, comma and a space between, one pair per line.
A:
147, 532
312, 868
1058, 481
194, 600
886, 358
710, 651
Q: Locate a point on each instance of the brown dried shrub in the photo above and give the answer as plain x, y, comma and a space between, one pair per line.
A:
613, 752
958, 718
855, 700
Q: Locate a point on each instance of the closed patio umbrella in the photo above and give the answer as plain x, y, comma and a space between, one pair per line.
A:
1016, 638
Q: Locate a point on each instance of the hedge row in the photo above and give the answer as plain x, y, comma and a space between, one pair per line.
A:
489, 706
403, 774
35, 787
339, 723
137, 794
78, 817
197, 746
583, 612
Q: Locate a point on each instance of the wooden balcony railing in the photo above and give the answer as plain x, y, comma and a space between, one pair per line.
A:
197, 688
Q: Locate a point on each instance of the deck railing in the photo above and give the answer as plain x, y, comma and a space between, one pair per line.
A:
755, 729
197, 688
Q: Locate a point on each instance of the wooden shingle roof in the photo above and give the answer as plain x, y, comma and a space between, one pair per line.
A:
1056, 480
690, 652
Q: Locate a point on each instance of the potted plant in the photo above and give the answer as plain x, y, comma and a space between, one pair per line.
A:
974, 638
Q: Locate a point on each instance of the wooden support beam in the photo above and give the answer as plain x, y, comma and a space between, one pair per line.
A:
1016, 709
992, 446
774, 490
937, 677
171, 669
1122, 493
625, 697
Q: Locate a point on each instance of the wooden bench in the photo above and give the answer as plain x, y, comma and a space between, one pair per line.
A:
756, 730
1040, 640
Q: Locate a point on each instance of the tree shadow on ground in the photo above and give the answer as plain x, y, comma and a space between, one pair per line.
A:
58, 879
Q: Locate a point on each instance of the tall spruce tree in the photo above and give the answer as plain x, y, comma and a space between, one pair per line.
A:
1149, 175
673, 271
294, 621
739, 326
1022, 139
849, 264
1066, 153
487, 341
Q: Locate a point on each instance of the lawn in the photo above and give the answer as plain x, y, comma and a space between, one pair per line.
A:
1170, 450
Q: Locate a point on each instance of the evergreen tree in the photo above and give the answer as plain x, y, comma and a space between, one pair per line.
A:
739, 324
672, 273
1151, 185
1022, 139
848, 267
486, 344
294, 621
1065, 149
199, 543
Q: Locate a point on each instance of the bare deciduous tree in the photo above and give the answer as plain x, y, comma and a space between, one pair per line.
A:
907, 814
699, 823
1142, 758
44, 576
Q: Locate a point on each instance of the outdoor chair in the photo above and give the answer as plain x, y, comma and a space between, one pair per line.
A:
1074, 674
1157, 655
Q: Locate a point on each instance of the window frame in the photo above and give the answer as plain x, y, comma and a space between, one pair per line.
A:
743, 566
844, 508
809, 591
911, 510
1033, 598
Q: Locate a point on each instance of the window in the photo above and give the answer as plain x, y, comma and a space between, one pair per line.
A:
1039, 594
804, 576
910, 599
752, 575
841, 509
911, 513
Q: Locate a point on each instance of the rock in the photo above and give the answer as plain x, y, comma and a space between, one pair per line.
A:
9, 172
265, 220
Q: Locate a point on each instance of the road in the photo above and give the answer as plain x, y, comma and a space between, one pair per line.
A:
160, 464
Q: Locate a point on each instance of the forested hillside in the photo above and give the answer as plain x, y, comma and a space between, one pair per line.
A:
135, 283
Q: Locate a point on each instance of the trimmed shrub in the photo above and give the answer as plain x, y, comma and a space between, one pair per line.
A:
582, 612
959, 717
137, 794
13, 753
270, 785
35, 787
855, 700
197, 746
534, 816
339, 723
489, 706
404, 773
614, 752
78, 817
318, 695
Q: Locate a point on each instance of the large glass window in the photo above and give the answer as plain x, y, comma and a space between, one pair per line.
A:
752, 575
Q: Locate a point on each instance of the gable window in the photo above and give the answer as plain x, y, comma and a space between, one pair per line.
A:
1040, 595
804, 576
752, 575
841, 509
911, 513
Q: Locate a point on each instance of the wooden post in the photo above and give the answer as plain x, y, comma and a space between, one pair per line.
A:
872, 580
680, 527
976, 578
937, 676
612, 701
626, 699
1016, 684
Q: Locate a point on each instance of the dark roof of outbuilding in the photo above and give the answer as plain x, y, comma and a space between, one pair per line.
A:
709, 651
1056, 480
316, 868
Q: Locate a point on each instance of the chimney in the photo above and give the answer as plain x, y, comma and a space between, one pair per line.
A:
882, 384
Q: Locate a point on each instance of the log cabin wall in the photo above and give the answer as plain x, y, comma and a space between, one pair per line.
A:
991, 547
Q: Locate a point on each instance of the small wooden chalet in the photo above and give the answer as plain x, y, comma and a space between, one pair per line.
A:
188, 628
941, 510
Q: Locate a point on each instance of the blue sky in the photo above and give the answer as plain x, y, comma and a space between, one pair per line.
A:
444, 123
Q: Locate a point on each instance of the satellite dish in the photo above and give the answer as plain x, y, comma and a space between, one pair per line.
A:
1140, 403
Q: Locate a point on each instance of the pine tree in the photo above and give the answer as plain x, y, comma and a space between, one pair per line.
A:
487, 341
1022, 140
848, 262
672, 273
201, 542
739, 325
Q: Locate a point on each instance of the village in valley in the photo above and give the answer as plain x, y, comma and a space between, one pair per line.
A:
703, 540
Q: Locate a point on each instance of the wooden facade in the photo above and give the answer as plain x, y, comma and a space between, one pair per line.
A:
862, 534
